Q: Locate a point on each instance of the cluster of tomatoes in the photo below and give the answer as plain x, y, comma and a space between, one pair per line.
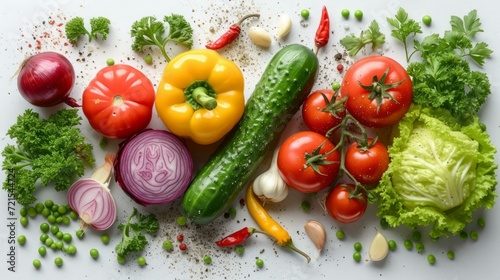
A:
336, 151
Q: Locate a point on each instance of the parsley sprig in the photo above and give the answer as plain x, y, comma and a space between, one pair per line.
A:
403, 27
47, 151
371, 35
76, 27
149, 31
133, 238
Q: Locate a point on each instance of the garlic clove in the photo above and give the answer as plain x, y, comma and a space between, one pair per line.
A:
260, 37
379, 248
317, 233
284, 25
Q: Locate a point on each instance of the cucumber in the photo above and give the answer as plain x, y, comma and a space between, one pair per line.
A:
280, 92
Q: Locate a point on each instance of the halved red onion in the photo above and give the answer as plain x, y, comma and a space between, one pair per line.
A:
91, 199
153, 167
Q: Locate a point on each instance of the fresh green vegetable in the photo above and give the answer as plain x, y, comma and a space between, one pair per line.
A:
481, 222
392, 245
420, 247
167, 245
259, 262
431, 259
372, 35
304, 13
283, 87
345, 13
42, 250
46, 151
305, 205
24, 221
71, 249
181, 221
141, 261
417, 235
239, 249
474, 235
133, 238
356, 256
207, 259
76, 28
358, 14
450, 255
408, 244
149, 31
58, 261
358, 246
21, 239
427, 20
340, 234
94, 253
37, 263
105, 238
426, 185
403, 27
109, 62
464, 235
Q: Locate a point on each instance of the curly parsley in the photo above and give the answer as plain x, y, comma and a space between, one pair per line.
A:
46, 151
133, 238
76, 28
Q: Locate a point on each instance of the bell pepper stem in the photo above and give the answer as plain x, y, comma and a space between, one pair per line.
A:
200, 95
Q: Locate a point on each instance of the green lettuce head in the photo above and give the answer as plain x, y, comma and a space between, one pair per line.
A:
440, 173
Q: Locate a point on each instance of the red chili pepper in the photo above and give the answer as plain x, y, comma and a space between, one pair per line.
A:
236, 237
230, 35
323, 31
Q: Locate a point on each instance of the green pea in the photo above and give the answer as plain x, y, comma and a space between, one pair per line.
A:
358, 14
37, 263
148, 59
45, 212
58, 261
481, 222
304, 13
56, 214
59, 245
71, 249
141, 261
44, 237
181, 221
67, 237
358, 246
73, 215
51, 219
356, 256
59, 220
23, 212
32, 212
167, 245
39, 207
62, 209
305, 205
474, 235
384, 223
420, 247
450, 255
24, 221
44, 227
65, 220
105, 238
80, 233
53, 246
49, 241
94, 253
345, 13
427, 20
392, 245
232, 212
417, 235
239, 249
340, 234
335, 86
59, 235
431, 259
21, 239
121, 259
110, 62
259, 262
42, 250
54, 229
207, 259
463, 235
54, 208
408, 244
48, 203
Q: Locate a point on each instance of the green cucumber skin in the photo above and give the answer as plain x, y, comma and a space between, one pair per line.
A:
283, 87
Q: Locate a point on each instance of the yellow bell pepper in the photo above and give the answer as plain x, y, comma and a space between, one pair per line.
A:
201, 95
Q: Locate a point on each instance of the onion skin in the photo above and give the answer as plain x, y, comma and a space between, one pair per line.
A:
153, 167
46, 79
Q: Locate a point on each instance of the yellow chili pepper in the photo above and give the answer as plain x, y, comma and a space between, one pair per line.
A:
200, 95
268, 224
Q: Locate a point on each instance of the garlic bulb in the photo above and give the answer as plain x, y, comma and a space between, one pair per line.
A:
260, 37
284, 25
269, 186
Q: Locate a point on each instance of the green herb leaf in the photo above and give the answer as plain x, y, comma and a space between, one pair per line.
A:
372, 36
470, 25
99, 26
76, 27
403, 27
133, 238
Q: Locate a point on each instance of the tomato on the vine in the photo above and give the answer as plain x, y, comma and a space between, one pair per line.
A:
367, 163
119, 101
345, 207
379, 91
308, 161
321, 111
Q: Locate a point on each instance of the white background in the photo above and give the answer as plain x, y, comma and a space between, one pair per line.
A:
22, 21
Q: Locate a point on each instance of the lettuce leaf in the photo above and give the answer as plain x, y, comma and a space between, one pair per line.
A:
440, 173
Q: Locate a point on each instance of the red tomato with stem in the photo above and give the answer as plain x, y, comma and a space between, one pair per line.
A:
344, 206
119, 101
379, 91
321, 111
308, 161
367, 163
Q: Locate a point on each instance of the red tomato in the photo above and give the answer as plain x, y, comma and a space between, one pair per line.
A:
367, 164
387, 101
344, 208
119, 101
300, 154
320, 115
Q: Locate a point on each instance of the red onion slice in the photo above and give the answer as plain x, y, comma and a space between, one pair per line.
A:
153, 167
93, 202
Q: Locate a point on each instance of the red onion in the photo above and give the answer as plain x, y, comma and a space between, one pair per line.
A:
91, 199
46, 79
153, 167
